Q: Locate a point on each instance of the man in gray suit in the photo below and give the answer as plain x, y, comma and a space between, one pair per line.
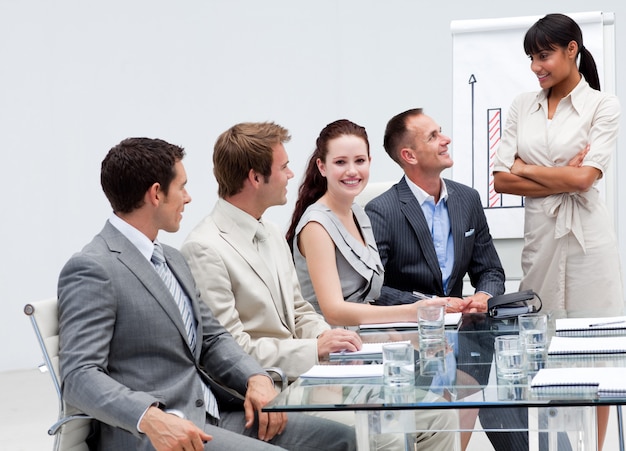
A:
431, 231
141, 353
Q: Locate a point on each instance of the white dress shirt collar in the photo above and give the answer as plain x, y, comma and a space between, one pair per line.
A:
576, 96
138, 239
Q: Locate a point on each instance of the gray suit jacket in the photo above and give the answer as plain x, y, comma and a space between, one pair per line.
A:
274, 324
123, 346
407, 252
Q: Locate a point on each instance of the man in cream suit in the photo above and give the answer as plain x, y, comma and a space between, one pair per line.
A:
254, 290
140, 352
431, 232
256, 296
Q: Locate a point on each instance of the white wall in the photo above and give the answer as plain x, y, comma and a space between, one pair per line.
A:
77, 77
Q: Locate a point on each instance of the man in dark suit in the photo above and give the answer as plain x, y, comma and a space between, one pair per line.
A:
140, 352
431, 231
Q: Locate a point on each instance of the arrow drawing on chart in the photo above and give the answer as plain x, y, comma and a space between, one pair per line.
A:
472, 82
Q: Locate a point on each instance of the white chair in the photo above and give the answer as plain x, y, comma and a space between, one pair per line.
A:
372, 190
72, 427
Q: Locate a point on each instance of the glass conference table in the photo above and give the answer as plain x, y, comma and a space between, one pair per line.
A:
465, 382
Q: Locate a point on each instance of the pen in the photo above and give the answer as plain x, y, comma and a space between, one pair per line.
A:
422, 296
607, 323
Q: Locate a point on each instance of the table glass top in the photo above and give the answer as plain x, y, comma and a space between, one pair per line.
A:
464, 378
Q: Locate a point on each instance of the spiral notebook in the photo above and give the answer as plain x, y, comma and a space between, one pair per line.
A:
566, 381
583, 327
600, 381
587, 345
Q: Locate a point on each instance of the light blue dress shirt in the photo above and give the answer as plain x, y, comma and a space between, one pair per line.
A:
438, 221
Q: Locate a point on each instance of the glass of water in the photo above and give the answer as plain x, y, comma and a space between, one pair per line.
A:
533, 329
398, 364
431, 322
510, 360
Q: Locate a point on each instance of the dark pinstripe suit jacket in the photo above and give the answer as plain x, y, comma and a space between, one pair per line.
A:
408, 254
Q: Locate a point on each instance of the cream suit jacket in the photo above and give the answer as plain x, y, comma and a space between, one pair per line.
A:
273, 324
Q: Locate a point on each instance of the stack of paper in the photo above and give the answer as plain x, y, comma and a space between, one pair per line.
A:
343, 371
568, 327
451, 320
368, 351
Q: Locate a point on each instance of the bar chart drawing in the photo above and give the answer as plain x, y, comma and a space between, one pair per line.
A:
494, 136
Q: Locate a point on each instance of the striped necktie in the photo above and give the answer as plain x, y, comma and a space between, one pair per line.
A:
184, 306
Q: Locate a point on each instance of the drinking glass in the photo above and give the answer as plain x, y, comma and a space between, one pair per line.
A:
398, 364
510, 361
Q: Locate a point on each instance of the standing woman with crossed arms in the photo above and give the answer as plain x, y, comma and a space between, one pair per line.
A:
557, 144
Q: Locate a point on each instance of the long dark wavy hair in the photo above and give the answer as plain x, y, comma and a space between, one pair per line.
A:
557, 31
313, 185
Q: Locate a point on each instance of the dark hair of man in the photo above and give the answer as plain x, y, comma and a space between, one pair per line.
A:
397, 136
314, 185
133, 166
244, 147
557, 31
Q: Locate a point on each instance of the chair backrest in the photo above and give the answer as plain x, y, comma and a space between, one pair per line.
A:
372, 190
73, 427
